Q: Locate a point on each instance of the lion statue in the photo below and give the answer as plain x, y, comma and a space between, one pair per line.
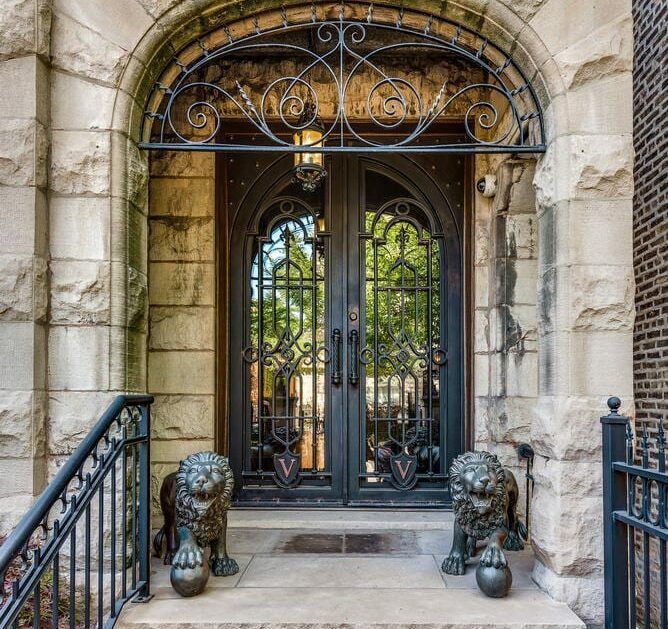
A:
484, 496
194, 502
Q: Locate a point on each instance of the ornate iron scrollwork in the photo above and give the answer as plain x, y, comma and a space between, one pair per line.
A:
333, 61
403, 355
286, 355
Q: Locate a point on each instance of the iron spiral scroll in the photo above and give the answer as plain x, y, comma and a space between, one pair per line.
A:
500, 111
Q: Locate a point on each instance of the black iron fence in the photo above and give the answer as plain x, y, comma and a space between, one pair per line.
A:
82, 551
635, 503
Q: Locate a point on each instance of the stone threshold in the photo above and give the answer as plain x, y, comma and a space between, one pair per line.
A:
340, 518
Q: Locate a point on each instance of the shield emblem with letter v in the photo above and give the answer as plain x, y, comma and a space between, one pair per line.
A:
404, 468
287, 467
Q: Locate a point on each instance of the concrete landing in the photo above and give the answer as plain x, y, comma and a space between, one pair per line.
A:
437, 519
352, 576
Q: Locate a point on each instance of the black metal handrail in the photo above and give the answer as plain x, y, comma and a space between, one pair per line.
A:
111, 464
635, 505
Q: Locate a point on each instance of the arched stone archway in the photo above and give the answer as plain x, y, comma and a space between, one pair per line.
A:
98, 61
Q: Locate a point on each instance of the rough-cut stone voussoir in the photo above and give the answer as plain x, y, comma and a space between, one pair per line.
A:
182, 197
179, 238
80, 162
22, 288
181, 284
567, 535
601, 166
71, 416
568, 429
23, 151
606, 52
16, 423
80, 292
24, 27
602, 298
183, 417
182, 164
182, 328
584, 594
80, 50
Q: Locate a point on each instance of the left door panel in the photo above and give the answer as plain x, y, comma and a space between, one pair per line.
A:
284, 352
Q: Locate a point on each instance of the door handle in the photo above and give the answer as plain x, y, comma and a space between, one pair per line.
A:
337, 369
354, 342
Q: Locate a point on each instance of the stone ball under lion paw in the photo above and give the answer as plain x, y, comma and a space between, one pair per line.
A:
494, 582
189, 581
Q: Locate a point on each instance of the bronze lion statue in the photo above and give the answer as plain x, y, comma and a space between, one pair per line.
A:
484, 497
194, 502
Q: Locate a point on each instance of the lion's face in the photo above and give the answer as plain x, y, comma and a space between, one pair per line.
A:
206, 483
479, 481
203, 480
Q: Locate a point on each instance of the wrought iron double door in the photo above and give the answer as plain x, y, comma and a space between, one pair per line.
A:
346, 344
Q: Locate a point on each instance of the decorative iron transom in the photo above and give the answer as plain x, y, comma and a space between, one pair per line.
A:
379, 78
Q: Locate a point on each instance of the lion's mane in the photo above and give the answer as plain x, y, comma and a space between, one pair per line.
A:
204, 526
472, 523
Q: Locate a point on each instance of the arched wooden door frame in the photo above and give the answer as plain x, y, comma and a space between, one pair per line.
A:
245, 226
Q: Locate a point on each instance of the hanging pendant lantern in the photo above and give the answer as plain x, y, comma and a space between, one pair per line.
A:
309, 169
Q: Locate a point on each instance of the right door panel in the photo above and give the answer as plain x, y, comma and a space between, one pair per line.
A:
405, 333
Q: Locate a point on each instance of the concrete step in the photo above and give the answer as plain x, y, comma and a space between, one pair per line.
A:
282, 590
340, 519
349, 608
352, 569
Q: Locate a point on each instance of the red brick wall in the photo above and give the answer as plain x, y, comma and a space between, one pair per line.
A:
650, 242
650, 220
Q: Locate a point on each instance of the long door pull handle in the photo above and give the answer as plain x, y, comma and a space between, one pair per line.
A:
337, 369
354, 341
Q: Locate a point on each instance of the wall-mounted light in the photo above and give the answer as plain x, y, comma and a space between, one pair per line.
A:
309, 169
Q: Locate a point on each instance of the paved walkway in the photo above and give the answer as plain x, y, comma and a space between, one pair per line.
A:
369, 570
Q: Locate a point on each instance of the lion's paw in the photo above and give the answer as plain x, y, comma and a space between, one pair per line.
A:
224, 566
493, 557
453, 564
513, 541
188, 556
470, 548
169, 557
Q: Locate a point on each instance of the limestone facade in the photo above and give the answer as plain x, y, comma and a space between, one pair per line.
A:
90, 237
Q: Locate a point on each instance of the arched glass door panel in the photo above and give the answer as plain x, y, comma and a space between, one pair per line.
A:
287, 355
402, 353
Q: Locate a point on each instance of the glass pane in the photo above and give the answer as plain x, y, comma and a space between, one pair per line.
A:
287, 354
402, 332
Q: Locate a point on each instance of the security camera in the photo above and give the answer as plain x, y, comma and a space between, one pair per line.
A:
487, 185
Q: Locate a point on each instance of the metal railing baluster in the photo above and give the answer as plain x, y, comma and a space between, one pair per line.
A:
40, 590
100, 557
630, 527
87, 570
55, 592
73, 575
112, 553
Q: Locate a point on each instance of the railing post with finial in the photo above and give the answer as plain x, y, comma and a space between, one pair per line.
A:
614, 532
145, 503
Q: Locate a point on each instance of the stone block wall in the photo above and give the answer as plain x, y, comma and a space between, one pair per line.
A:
24, 278
182, 307
505, 360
